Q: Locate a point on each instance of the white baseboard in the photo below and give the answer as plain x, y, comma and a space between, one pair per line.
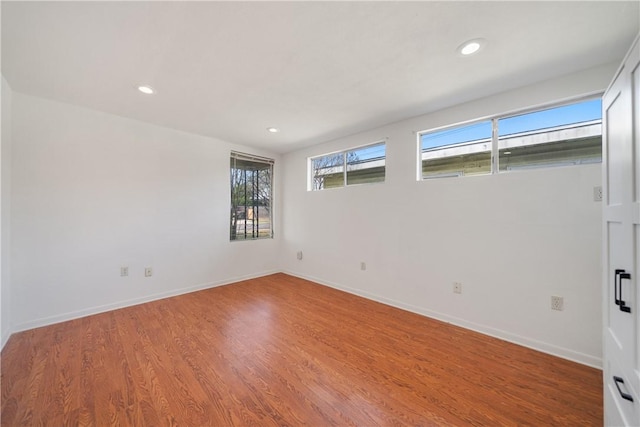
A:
565, 353
554, 350
45, 321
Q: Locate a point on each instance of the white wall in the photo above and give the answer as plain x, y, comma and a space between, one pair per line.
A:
89, 192
5, 218
93, 191
512, 239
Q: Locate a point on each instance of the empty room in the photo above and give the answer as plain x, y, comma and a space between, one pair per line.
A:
320, 213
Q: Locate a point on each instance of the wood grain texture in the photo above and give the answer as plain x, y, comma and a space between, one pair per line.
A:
281, 351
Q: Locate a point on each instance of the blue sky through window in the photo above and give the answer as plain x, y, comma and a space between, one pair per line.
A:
458, 135
543, 119
368, 153
559, 116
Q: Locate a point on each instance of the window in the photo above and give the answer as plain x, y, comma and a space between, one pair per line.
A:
361, 165
251, 197
566, 135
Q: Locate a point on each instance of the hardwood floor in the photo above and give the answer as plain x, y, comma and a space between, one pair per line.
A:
281, 351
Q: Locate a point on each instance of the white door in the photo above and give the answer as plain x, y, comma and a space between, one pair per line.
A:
621, 214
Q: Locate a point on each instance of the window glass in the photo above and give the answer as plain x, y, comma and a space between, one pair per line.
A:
328, 171
251, 193
557, 136
567, 135
458, 151
366, 165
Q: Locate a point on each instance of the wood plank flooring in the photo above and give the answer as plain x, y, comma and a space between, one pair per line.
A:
281, 351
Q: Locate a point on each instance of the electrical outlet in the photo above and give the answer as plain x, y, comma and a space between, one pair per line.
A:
299, 255
597, 194
457, 287
148, 272
124, 271
363, 266
557, 303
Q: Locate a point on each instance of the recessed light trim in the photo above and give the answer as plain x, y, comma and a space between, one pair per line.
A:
273, 130
471, 47
147, 90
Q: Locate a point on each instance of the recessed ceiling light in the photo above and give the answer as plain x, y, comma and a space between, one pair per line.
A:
147, 90
470, 47
273, 130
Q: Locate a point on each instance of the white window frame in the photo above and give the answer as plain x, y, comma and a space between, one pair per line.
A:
310, 170
495, 161
235, 155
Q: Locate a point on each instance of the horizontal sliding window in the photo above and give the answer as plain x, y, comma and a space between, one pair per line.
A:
557, 136
363, 165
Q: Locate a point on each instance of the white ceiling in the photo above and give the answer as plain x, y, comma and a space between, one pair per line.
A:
316, 70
